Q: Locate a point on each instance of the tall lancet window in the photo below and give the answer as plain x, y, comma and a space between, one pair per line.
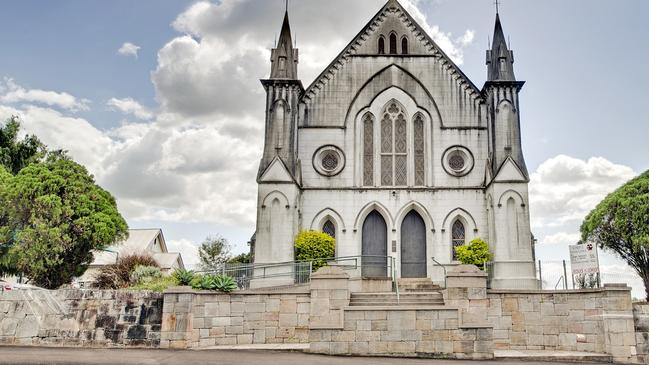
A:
278, 124
458, 235
381, 45
404, 45
329, 228
393, 43
394, 147
420, 170
368, 150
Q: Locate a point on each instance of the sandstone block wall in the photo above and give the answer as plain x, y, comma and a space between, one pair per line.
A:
204, 319
93, 318
403, 332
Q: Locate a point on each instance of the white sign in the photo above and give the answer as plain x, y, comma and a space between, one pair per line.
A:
583, 259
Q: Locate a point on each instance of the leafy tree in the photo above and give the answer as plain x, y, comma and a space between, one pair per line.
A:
620, 223
214, 252
313, 245
15, 154
243, 258
475, 253
53, 216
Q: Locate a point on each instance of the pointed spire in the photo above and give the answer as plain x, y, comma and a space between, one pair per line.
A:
500, 60
284, 57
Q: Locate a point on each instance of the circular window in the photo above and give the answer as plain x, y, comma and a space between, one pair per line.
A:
457, 161
328, 160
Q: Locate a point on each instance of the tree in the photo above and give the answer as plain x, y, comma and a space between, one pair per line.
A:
620, 223
243, 258
16, 154
475, 253
214, 252
313, 245
53, 215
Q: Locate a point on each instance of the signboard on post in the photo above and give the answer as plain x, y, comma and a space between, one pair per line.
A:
583, 259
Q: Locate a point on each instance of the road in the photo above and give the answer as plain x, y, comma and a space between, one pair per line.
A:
64, 356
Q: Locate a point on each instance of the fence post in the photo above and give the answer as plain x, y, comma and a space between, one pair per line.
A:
565, 276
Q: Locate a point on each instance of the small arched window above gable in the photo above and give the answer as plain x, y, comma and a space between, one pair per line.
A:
381, 45
393, 43
329, 228
458, 235
404, 45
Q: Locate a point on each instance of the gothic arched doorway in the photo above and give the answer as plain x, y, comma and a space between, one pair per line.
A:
374, 246
413, 246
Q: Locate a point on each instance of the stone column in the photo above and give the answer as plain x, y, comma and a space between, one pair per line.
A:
329, 294
177, 321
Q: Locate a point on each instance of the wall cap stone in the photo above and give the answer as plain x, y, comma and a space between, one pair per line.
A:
400, 308
330, 272
570, 291
182, 290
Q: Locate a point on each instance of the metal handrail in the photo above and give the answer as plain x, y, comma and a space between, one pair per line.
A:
394, 278
558, 282
443, 267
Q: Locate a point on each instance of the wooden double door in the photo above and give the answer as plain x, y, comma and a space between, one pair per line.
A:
374, 246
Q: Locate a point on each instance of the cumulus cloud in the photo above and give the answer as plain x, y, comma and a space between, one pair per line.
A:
188, 249
564, 189
128, 49
13, 93
216, 66
130, 106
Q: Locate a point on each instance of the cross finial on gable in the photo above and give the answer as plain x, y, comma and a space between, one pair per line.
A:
497, 3
287, 6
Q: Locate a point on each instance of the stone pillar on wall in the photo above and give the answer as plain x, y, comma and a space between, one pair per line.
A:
177, 326
466, 289
329, 295
619, 329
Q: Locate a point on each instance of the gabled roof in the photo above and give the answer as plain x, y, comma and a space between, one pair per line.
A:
419, 35
139, 241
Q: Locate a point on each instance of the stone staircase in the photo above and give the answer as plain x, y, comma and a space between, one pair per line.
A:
412, 292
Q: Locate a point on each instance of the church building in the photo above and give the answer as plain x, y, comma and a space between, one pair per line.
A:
394, 152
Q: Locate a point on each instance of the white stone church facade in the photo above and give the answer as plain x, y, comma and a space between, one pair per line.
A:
396, 153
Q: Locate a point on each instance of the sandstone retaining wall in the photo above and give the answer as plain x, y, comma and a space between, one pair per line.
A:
92, 318
202, 319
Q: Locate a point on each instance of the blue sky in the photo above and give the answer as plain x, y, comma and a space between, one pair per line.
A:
175, 130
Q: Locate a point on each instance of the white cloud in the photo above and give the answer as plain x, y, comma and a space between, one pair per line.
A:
564, 189
13, 93
128, 49
188, 250
561, 238
130, 106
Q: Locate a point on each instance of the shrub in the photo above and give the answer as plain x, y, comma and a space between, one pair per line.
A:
475, 253
221, 283
313, 245
159, 284
183, 277
143, 274
118, 275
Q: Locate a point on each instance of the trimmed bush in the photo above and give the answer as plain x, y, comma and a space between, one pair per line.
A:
314, 246
155, 284
475, 253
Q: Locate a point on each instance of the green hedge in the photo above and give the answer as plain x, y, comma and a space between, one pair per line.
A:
312, 245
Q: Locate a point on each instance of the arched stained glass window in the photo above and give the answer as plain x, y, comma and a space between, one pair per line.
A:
381, 45
458, 235
393, 43
368, 150
420, 169
329, 228
394, 146
404, 45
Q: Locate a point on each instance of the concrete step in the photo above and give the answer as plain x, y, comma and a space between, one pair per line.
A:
417, 285
383, 299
